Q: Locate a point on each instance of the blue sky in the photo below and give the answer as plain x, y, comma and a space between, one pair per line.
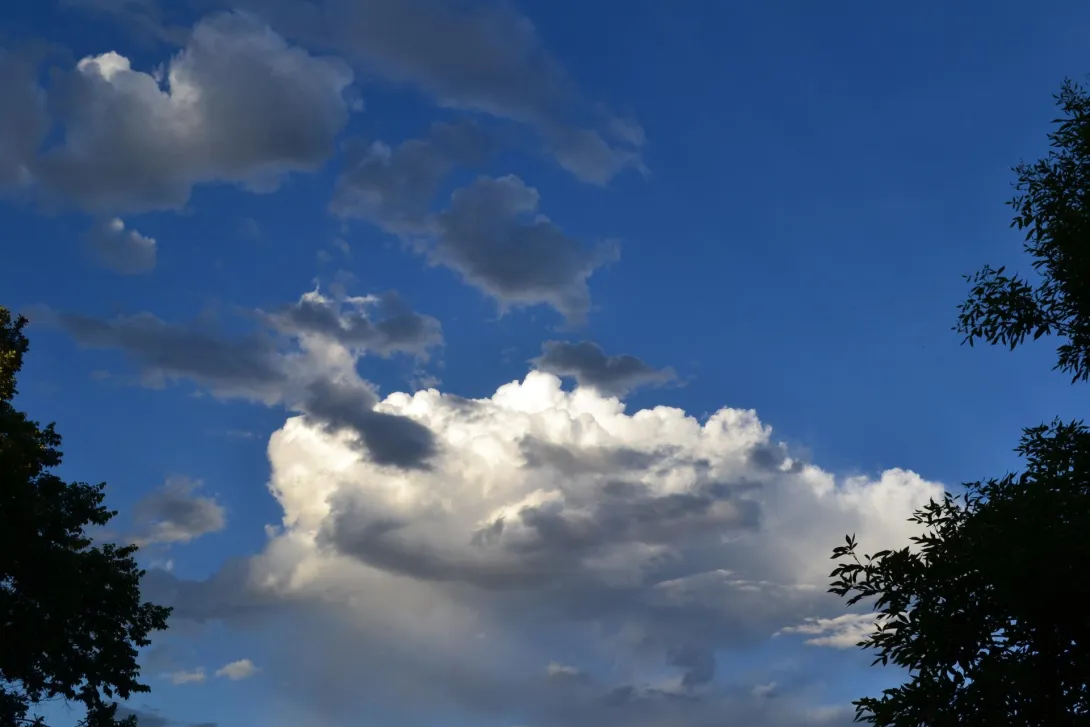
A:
239, 229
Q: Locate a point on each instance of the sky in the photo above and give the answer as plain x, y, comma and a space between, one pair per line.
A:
517, 364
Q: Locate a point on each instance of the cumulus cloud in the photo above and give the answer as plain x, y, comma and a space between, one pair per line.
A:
350, 321
308, 365
491, 233
122, 250
394, 187
237, 670
554, 528
493, 236
238, 104
482, 57
589, 365
176, 513
841, 632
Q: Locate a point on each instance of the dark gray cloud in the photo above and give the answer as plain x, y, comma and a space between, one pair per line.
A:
121, 249
478, 56
262, 368
698, 664
152, 718
349, 321
237, 104
494, 237
249, 366
24, 120
390, 439
394, 187
176, 513
589, 365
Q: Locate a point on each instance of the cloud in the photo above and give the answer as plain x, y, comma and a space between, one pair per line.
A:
482, 57
195, 676
122, 250
588, 364
491, 233
238, 104
642, 550
174, 513
24, 120
349, 321
394, 187
236, 670
842, 632
494, 237
152, 718
249, 367
310, 369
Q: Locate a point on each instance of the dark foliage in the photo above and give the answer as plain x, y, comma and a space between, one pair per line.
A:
71, 617
986, 610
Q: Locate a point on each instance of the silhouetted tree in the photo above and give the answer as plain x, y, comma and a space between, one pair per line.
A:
71, 617
1053, 207
986, 609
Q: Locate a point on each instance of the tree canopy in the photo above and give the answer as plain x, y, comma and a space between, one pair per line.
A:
71, 616
1052, 206
984, 608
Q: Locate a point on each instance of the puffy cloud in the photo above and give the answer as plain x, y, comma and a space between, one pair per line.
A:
311, 370
633, 552
175, 513
483, 57
195, 676
394, 187
238, 104
122, 250
841, 632
236, 670
589, 365
493, 235
349, 322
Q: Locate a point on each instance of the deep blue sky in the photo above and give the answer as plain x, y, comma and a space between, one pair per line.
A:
817, 178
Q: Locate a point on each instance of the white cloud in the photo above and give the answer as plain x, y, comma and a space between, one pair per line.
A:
122, 250
236, 670
841, 632
553, 528
195, 676
238, 104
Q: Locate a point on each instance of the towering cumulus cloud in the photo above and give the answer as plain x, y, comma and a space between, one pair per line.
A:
553, 528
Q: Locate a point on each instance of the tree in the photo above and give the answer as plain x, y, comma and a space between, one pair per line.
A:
984, 609
71, 617
1053, 206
